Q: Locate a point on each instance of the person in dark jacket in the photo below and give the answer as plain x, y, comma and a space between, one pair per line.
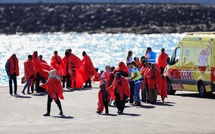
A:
12, 70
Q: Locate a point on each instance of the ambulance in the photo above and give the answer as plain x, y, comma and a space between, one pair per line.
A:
192, 64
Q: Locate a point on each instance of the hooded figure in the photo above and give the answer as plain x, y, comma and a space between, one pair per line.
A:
121, 90
55, 91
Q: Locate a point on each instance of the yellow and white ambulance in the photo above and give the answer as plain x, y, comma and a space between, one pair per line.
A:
192, 64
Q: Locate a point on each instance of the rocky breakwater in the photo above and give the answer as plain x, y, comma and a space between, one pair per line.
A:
109, 18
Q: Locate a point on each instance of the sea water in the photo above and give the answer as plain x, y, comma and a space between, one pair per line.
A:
104, 49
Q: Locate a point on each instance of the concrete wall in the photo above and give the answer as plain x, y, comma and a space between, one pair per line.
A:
109, 1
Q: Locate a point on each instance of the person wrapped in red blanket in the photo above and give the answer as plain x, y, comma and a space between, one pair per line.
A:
55, 91
122, 68
121, 89
103, 100
153, 80
162, 88
96, 77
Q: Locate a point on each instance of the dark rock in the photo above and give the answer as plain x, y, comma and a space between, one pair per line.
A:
111, 18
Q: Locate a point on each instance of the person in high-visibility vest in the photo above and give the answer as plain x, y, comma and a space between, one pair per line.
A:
137, 78
150, 55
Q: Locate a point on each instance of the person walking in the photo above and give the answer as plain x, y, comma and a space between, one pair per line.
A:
103, 99
161, 64
120, 87
55, 91
12, 70
29, 73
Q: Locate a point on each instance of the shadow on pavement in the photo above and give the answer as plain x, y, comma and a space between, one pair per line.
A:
145, 106
165, 103
76, 89
22, 96
110, 114
68, 90
63, 117
82, 89
39, 94
195, 95
130, 114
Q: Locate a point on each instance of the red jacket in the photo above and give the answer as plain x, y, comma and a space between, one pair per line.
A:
123, 89
63, 65
54, 88
162, 60
109, 83
37, 63
153, 79
46, 68
100, 100
29, 69
122, 67
162, 88
74, 60
88, 66
55, 62
13, 66
96, 77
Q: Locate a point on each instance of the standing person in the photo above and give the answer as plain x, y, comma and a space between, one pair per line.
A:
132, 84
122, 68
29, 72
162, 88
55, 62
64, 66
38, 69
55, 91
96, 77
89, 68
144, 91
150, 55
120, 87
74, 64
153, 79
103, 99
105, 75
137, 78
161, 64
129, 58
112, 68
42, 60
108, 84
12, 69
137, 61
145, 86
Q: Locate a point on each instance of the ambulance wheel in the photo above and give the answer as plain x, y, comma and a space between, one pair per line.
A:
169, 88
201, 88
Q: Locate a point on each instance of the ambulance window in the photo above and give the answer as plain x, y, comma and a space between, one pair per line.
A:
175, 56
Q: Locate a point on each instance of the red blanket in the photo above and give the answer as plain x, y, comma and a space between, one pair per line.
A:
54, 88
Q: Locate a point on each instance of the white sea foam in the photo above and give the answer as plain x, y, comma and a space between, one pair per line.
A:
102, 48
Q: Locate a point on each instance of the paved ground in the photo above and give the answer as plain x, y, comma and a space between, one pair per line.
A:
183, 113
